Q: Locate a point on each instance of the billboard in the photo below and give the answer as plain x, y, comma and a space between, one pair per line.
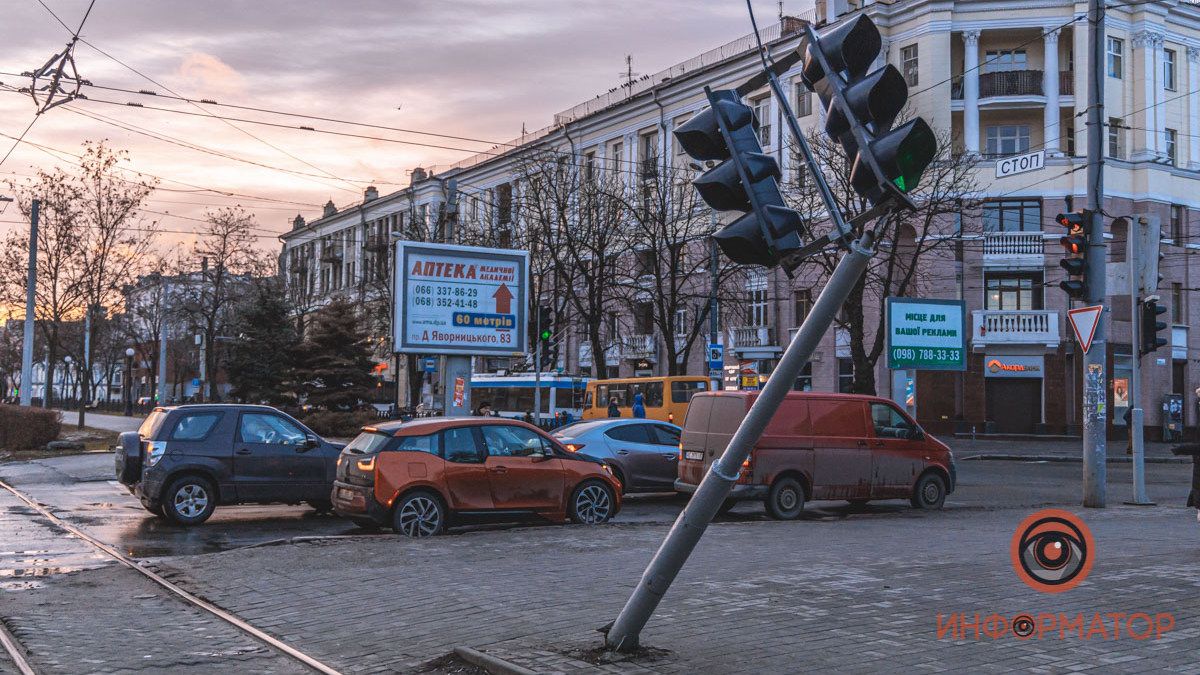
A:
926, 334
460, 300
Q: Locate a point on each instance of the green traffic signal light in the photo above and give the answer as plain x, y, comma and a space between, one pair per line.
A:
546, 334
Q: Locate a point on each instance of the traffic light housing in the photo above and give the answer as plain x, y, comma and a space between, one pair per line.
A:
861, 108
544, 330
1075, 245
746, 180
1151, 327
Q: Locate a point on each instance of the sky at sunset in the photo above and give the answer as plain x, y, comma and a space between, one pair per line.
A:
472, 68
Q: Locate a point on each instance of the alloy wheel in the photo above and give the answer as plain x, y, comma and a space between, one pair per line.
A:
191, 500
593, 505
419, 517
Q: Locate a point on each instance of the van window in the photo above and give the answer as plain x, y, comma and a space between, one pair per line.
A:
682, 392
727, 414
838, 418
587, 400
888, 422
194, 427
698, 413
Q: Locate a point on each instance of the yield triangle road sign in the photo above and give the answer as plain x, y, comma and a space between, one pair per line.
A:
1084, 321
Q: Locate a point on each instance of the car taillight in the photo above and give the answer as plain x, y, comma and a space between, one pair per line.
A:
366, 465
681, 451
574, 447
671, 418
746, 464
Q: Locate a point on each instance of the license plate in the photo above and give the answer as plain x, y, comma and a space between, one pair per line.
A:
694, 456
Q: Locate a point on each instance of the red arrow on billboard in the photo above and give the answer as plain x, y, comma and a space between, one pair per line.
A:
503, 298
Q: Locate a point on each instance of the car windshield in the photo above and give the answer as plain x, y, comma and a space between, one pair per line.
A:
368, 443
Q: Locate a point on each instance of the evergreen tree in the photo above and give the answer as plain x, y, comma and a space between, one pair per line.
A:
335, 359
262, 359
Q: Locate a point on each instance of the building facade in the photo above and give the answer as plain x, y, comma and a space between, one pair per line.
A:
998, 79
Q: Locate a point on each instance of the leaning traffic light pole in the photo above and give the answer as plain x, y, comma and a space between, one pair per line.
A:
887, 164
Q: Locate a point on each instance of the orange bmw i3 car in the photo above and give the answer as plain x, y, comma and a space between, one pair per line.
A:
419, 477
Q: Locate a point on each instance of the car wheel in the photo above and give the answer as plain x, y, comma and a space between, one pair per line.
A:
321, 505
786, 499
189, 500
929, 493
592, 503
419, 514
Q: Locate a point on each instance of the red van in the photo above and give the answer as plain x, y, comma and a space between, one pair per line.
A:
818, 446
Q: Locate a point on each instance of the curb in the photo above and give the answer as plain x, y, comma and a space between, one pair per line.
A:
999, 457
493, 664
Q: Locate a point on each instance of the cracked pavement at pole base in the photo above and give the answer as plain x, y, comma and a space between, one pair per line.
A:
854, 590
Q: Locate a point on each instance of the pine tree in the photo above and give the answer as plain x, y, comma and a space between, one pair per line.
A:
262, 360
335, 360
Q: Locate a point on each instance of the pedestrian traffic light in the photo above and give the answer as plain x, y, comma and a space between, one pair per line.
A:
1075, 244
746, 180
861, 108
1151, 326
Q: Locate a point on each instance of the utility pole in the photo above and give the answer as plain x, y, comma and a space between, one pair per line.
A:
1095, 390
30, 307
85, 368
714, 322
163, 316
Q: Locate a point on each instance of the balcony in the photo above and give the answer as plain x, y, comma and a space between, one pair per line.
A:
331, 254
1002, 249
751, 336
611, 355
377, 242
1015, 327
1021, 83
638, 347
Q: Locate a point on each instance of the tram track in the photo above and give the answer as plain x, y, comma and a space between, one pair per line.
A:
17, 653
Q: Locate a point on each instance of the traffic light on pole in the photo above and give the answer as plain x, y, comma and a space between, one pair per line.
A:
860, 109
1075, 244
1151, 326
746, 180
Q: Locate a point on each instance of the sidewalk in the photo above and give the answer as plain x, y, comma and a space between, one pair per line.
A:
1052, 450
861, 594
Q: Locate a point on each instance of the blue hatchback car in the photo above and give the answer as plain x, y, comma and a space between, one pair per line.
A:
643, 454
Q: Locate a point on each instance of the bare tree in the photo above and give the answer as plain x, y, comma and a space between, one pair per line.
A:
947, 189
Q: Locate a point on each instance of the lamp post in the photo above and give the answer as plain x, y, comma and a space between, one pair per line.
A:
67, 393
127, 381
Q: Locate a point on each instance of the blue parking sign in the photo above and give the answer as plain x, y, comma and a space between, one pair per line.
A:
716, 357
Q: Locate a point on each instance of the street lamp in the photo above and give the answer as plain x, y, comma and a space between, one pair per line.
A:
67, 379
126, 382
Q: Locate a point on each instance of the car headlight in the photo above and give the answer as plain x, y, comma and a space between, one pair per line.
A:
155, 451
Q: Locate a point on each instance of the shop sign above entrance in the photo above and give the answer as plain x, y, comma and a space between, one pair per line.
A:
926, 334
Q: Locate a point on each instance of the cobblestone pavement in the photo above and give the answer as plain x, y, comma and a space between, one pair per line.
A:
855, 594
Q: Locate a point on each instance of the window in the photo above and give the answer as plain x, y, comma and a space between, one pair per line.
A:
1116, 57
760, 312
427, 444
888, 422
512, 441
272, 429
681, 321
194, 427
459, 446
1177, 224
803, 302
1005, 60
1169, 69
682, 392
629, 433
1018, 215
589, 166
615, 156
1116, 138
762, 112
369, 442
504, 199
1069, 133
1170, 145
846, 376
1178, 313
1013, 291
661, 434
1007, 139
648, 153
643, 318
804, 379
804, 106
908, 64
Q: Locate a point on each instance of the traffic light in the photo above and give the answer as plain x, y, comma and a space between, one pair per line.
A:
1151, 326
746, 180
861, 108
1075, 244
545, 334
1147, 254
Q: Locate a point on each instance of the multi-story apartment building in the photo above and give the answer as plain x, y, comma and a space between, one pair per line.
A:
998, 78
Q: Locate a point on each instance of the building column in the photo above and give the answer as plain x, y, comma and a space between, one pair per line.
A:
1149, 142
1193, 125
971, 91
1050, 85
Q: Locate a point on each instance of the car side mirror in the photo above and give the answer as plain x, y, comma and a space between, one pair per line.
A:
915, 434
541, 456
310, 442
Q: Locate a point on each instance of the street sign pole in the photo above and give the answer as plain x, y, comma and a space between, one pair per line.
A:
1095, 390
722, 474
31, 315
1137, 253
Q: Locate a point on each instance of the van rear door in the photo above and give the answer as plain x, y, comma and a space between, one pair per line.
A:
726, 416
694, 439
842, 467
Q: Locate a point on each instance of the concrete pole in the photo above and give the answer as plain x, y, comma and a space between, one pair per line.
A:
1095, 389
85, 368
1136, 429
624, 633
30, 311
165, 290
714, 321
